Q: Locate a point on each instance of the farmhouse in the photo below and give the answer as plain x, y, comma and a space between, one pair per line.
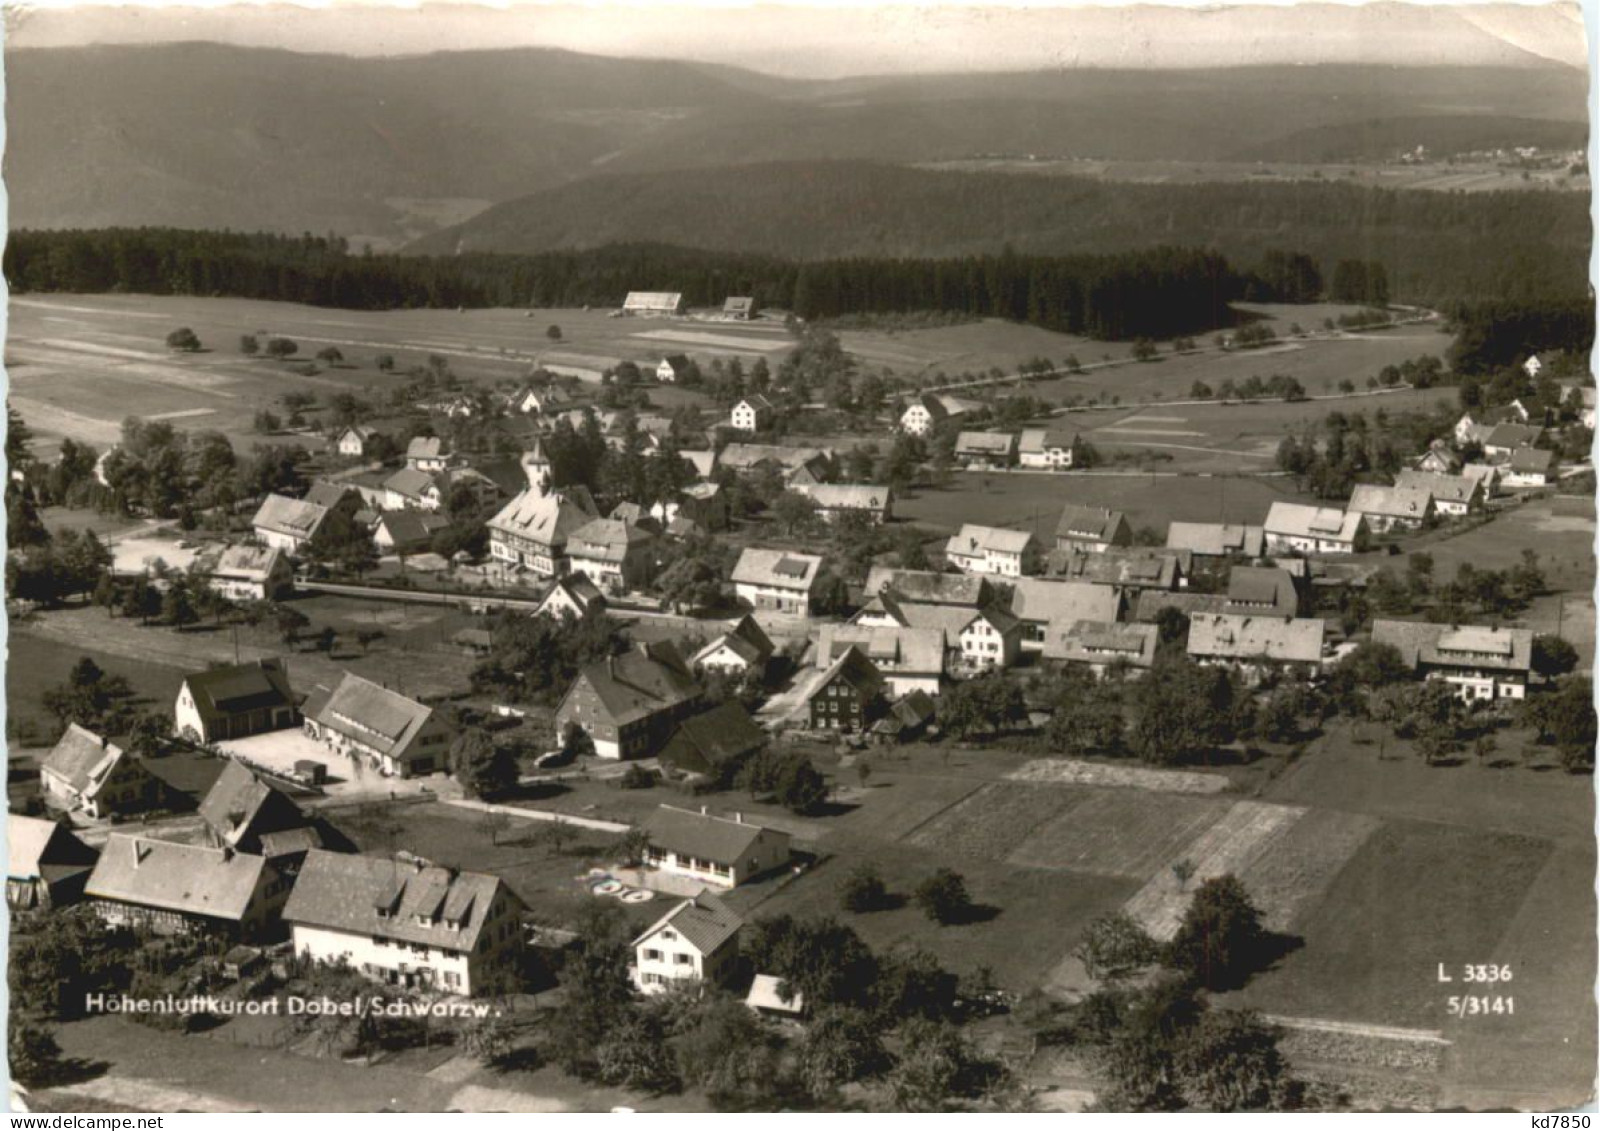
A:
616, 556
573, 595
754, 413
411, 488
1128, 570
653, 303
673, 368
697, 939
1102, 645
1292, 528
1047, 449
543, 401
1480, 663
908, 659
287, 524
704, 504
979, 451
993, 550
169, 888
781, 581
925, 413
847, 695
234, 702
353, 440
1391, 508
1038, 604
1491, 475
250, 573
407, 532
46, 865
1263, 590
1092, 528
83, 771
714, 743
1454, 496
426, 453
1505, 439
240, 808
406, 924
1470, 430
1147, 609
398, 736
1216, 539
834, 500
925, 587
1531, 467
741, 308
812, 465
1256, 644
744, 647
1440, 459
531, 531
722, 851
630, 704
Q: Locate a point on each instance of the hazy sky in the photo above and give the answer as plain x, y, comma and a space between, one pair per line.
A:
830, 38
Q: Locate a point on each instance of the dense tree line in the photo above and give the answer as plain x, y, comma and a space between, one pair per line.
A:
1494, 334
1155, 292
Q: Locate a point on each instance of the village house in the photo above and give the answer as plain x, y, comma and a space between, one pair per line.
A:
721, 851
1439, 459
249, 573
241, 808
1263, 590
1579, 402
1038, 604
834, 500
409, 488
398, 736
1047, 449
781, 581
168, 888
986, 451
1454, 496
754, 413
46, 865
847, 695
427, 453
1471, 430
908, 659
1092, 528
629, 704
923, 414
1217, 539
744, 648
993, 550
234, 702
697, 940
1503, 441
653, 304
1148, 607
288, 524
740, 308
1129, 570
1531, 467
353, 440
1255, 644
408, 924
616, 556
1293, 528
1532, 366
797, 465
536, 401
1490, 475
987, 639
1102, 645
531, 531
714, 743
1391, 508
703, 460
573, 595
907, 719
1479, 662
704, 504
86, 773
407, 532
926, 587
673, 368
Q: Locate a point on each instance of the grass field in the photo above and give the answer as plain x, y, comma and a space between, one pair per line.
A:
993, 820
1116, 832
35, 664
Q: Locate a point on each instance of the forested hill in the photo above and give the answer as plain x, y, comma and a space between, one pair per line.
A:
1158, 293
1435, 246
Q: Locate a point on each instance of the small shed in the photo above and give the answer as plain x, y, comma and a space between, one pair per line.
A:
766, 998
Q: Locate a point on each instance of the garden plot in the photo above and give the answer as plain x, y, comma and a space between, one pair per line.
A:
1069, 771
1286, 882
1119, 832
1247, 831
995, 819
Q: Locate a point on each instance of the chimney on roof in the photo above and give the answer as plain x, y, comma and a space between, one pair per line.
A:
140, 851
227, 853
738, 818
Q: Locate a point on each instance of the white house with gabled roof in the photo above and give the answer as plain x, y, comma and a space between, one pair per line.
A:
697, 940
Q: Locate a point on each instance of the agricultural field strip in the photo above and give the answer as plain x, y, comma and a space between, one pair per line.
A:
45, 305
1230, 845
716, 341
1355, 1029
1124, 833
1070, 771
991, 821
70, 364
1287, 881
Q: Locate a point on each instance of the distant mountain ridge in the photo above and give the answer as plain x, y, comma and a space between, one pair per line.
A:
387, 149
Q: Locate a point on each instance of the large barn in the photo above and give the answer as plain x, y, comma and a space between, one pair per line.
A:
653, 302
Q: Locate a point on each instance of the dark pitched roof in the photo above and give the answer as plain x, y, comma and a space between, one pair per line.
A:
240, 803
297, 518
186, 878
721, 840
35, 847
856, 670
385, 720
704, 742
1089, 524
637, 684
220, 692
704, 921
924, 587
409, 902
329, 495
1445, 645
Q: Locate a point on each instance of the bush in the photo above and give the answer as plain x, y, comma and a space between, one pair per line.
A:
863, 890
32, 1051
943, 896
183, 339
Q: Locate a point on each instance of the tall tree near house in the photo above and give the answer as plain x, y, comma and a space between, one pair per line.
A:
480, 765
